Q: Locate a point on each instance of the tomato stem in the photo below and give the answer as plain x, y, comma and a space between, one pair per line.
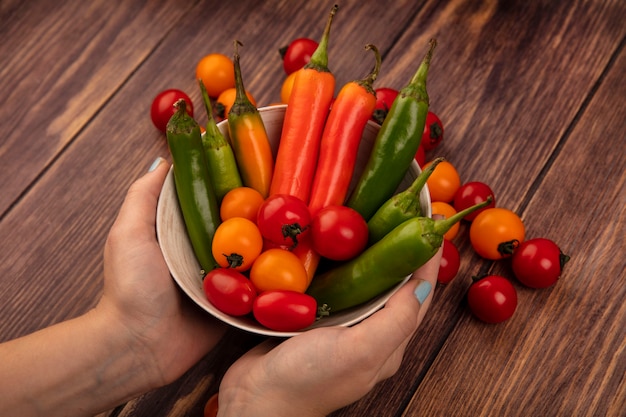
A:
507, 248
234, 260
292, 231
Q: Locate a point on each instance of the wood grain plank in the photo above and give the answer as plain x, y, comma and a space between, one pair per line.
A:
509, 71
50, 251
61, 63
504, 119
563, 352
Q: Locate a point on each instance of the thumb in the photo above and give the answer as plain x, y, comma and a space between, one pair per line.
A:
138, 212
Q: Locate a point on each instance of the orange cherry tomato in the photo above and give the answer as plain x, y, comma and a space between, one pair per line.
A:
443, 182
237, 243
211, 406
278, 269
217, 72
446, 210
241, 202
225, 101
285, 90
495, 232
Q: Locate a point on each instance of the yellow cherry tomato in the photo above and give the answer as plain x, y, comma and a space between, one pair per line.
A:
237, 243
241, 202
278, 269
217, 72
444, 182
495, 232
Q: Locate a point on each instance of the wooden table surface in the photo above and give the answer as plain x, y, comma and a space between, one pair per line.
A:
532, 95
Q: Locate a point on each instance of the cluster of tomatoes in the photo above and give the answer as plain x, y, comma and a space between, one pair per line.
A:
495, 233
256, 246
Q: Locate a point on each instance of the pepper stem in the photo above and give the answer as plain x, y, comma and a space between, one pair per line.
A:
211, 126
242, 103
416, 187
319, 58
422, 70
442, 226
371, 77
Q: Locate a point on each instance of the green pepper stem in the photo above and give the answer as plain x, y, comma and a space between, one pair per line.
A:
422, 71
319, 58
211, 126
416, 187
443, 225
242, 103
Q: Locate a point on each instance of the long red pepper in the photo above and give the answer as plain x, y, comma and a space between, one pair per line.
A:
348, 117
306, 113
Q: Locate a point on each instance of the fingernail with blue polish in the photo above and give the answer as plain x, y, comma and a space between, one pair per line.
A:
155, 164
422, 290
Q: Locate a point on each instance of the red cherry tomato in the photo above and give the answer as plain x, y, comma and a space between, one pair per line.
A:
162, 107
470, 194
420, 156
384, 99
229, 291
297, 54
339, 233
284, 219
212, 405
492, 299
284, 311
450, 263
433, 132
538, 263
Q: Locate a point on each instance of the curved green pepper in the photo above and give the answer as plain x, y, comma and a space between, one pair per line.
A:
384, 264
196, 196
223, 171
395, 145
400, 207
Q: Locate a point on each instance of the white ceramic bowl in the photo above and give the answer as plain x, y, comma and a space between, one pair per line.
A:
185, 269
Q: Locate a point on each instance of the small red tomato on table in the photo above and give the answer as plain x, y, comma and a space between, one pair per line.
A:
297, 54
538, 262
471, 193
162, 107
450, 262
492, 299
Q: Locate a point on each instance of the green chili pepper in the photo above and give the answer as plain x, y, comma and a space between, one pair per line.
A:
384, 264
196, 196
395, 145
223, 171
400, 207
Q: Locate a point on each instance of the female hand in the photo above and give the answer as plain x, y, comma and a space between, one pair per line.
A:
293, 377
167, 331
